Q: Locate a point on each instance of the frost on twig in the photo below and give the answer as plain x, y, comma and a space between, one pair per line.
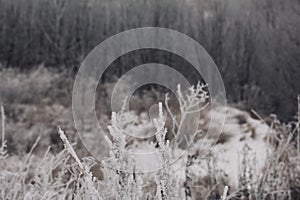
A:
162, 178
117, 159
69, 148
71, 151
224, 196
298, 127
197, 95
185, 127
3, 152
85, 187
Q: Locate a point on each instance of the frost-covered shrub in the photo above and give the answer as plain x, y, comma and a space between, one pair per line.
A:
65, 175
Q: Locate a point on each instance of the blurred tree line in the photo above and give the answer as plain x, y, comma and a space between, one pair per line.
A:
255, 43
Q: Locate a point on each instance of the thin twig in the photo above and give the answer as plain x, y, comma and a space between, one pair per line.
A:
69, 148
224, 196
3, 126
298, 126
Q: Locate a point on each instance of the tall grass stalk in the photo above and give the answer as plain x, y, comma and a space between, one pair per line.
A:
69, 147
298, 127
3, 152
224, 196
3, 125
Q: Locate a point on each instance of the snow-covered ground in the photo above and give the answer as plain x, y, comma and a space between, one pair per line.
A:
240, 131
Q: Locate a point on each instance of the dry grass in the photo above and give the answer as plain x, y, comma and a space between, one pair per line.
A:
65, 175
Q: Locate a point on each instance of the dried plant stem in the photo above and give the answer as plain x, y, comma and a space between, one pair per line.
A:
3, 126
69, 148
298, 126
224, 196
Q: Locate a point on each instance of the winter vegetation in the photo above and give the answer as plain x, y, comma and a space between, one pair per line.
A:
254, 43
256, 157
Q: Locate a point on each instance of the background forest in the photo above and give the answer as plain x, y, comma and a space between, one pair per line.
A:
255, 43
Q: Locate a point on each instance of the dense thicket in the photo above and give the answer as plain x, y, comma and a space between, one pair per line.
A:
255, 43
